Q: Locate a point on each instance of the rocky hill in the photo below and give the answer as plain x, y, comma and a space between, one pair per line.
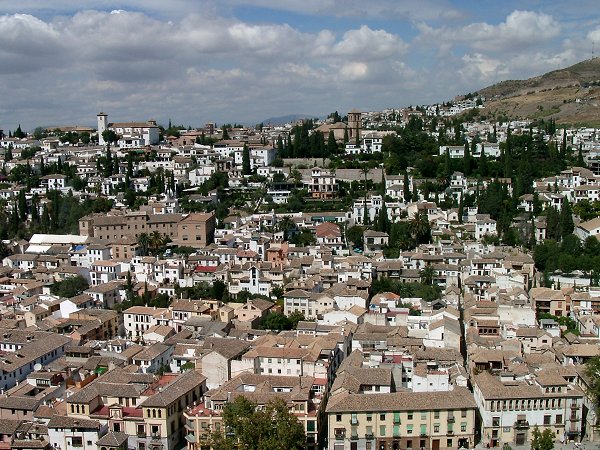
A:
570, 95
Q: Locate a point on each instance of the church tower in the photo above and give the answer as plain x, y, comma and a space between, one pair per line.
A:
102, 126
354, 124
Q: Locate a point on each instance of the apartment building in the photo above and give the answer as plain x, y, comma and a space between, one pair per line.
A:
145, 407
21, 350
196, 230
138, 319
297, 392
401, 420
510, 408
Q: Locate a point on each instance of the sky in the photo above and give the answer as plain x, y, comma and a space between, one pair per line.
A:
225, 61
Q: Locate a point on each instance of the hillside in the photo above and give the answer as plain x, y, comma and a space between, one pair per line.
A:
570, 95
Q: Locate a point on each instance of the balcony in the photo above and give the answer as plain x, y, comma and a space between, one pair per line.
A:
354, 421
369, 436
340, 436
451, 419
574, 406
354, 437
450, 433
521, 424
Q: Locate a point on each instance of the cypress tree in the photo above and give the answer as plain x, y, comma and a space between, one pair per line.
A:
467, 160
580, 161
346, 138
246, 169
406, 188
566, 219
331, 144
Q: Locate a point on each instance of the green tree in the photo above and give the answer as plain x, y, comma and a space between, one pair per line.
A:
110, 137
69, 287
143, 241
331, 144
246, 160
354, 235
566, 219
419, 227
592, 370
273, 427
542, 440
427, 275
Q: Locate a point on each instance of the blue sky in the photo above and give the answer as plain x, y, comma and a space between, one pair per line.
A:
195, 61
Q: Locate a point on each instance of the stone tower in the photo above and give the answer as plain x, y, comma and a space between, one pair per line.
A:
354, 124
102, 126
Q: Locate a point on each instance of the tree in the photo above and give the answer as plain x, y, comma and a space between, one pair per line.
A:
331, 144
156, 240
566, 219
225, 133
110, 137
246, 169
143, 241
275, 321
287, 225
69, 287
592, 370
273, 427
406, 188
420, 229
542, 440
354, 235
427, 275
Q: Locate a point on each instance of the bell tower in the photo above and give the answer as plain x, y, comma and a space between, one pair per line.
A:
354, 124
102, 126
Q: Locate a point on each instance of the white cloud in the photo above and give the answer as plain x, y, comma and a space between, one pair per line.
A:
520, 30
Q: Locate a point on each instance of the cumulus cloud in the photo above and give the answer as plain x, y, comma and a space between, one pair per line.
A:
131, 61
520, 30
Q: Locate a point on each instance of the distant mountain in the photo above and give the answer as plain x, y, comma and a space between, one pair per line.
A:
570, 95
281, 120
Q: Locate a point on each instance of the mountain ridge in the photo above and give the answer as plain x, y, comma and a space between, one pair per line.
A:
569, 95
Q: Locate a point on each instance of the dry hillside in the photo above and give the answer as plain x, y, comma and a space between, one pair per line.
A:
570, 95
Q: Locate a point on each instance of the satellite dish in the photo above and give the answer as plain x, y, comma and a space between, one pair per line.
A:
37, 367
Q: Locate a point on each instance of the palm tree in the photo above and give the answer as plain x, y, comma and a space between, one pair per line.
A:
427, 275
143, 240
286, 224
419, 227
156, 240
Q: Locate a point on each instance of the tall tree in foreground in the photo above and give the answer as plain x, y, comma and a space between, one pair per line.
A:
272, 428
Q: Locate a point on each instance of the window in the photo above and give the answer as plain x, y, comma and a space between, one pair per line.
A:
141, 430
449, 443
382, 430
547, 418
155, 430
559, 419
409, 415
436, 414
381, 416
338, 417
463, 413
423, 429
436, 427
409, 443
495, 421
369, 417
463, 427
423, 415
77, 441
409, 429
